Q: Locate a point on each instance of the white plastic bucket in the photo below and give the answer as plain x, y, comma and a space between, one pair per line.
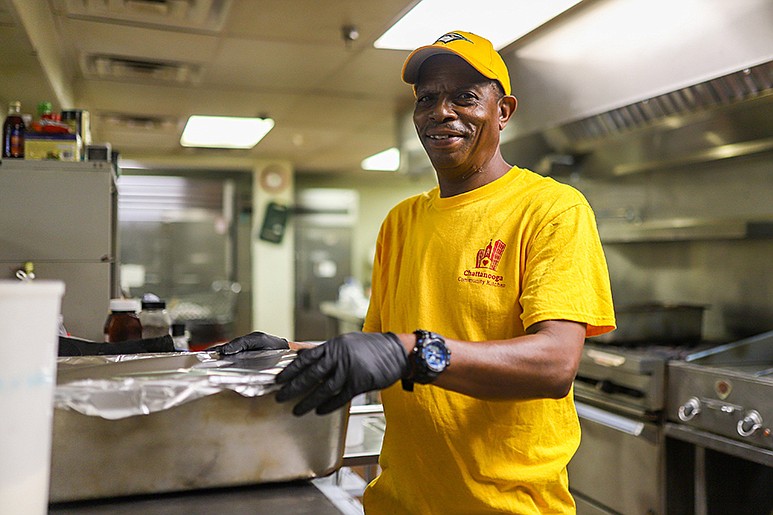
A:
29, 327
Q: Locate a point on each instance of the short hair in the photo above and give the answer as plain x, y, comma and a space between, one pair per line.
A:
498, 86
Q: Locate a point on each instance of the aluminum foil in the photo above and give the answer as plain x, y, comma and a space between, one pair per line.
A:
115, 387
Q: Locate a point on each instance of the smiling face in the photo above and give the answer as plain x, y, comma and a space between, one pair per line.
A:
458, 115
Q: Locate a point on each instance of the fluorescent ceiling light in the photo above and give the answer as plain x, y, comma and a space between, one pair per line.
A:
386, 161
499, 21
224, 131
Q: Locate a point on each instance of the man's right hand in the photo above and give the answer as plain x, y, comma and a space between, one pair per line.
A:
253, 341
330, 375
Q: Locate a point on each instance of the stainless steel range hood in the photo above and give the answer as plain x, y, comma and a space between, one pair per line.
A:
726, 117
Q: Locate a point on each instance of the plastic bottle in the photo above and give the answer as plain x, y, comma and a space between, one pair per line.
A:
180, 337
13, 132
123, 323
154, 317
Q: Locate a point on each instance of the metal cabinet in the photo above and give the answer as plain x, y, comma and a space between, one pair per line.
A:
61, 217
619, 466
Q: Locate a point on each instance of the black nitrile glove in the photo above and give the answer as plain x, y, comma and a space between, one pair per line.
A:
252, 341
69, 346
331, 374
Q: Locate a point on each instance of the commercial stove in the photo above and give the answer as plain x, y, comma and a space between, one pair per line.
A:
720, 413
726, 391
620, 395
678, 428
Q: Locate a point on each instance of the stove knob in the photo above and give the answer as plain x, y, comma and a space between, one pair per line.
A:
751, 422
689, 409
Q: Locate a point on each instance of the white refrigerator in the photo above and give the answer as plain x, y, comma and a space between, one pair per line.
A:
62, 217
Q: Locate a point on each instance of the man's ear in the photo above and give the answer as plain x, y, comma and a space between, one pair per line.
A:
507, 106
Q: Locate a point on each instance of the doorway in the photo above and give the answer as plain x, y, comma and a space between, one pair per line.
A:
324, 223
186, 239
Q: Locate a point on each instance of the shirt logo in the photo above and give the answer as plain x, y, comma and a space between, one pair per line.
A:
486, 258
451, 36
489, 256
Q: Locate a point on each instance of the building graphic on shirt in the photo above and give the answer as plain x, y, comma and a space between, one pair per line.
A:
489, 256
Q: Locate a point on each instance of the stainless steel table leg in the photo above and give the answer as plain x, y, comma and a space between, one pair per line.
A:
701, 507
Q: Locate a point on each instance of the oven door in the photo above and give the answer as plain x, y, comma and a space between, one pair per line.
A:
619, 466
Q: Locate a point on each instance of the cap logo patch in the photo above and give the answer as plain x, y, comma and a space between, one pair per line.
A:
451, 36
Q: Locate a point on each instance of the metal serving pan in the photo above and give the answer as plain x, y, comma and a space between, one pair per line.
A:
231, 432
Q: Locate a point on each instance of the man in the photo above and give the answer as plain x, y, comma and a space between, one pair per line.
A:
505, 268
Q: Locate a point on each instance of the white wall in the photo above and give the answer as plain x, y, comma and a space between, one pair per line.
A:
273, 278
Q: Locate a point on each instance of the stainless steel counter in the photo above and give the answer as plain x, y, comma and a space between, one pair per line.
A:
344, 319
280, 498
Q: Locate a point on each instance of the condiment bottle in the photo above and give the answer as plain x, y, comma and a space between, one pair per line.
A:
123, 323
13, 132
180, 336
154, 318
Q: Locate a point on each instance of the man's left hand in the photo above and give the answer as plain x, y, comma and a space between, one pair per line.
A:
254, 341
331, 374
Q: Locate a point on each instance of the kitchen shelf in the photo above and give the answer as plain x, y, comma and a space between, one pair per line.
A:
685, 229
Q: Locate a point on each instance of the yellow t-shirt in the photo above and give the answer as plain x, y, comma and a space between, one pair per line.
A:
480, 266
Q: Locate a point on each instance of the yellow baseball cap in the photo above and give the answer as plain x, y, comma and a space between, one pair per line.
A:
477, 51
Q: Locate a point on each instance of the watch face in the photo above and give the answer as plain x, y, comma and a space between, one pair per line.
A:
434, 356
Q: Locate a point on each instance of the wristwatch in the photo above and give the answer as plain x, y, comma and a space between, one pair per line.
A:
427, 360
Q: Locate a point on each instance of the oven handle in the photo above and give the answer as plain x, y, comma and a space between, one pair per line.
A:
611, 420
